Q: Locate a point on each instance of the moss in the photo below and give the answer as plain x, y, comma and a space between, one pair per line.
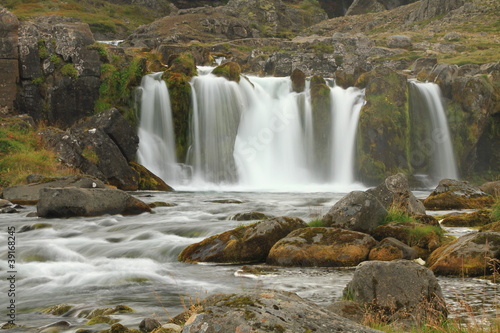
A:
69, 70
239, 302
101, 320
298, 80
229, 70
89, 154
475, 219
58, 310
149, 181
316, 223
42, 49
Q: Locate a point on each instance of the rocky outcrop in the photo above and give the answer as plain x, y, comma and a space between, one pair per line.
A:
59, 71
468, 255
395, 193
321, 247
358, 211
400, 290
263, 311
391, 249
30, 194
456, 194
246, 244
359, 7
71, 201
433, 8
9, 65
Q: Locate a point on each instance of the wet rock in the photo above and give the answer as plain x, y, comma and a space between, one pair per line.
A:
149, 324
229, 70
5, 203
161, 204
391, 249
249, 216
36, 226
265, 311
148, 181
244, 244
456, 194
395, 193
358, 211
68, 202
399, 290
474, 219
30, 194
8, 210
55, 327
321, 247
226, 201
467, 255
421, 237
58, 310
298, 80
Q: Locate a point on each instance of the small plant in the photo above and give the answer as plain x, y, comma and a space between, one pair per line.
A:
38, 81
90, 154
316, 223
69, 70
495, 211
55, 60
396, 215
42, 49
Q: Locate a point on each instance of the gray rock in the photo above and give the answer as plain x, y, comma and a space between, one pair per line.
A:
30, 194
321, 247
359, 7
394, 192
423, 64
347, 309
452, 36
266, 311
432, 8
399, 42
244, 244
149, 324
457, 194
9, 66
5, 203
71, 201
358, 211
400, 290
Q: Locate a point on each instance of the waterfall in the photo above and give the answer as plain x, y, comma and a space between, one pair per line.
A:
156, 131
259, 135
433, 150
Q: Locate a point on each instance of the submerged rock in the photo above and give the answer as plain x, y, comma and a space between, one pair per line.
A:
249, 216
358, 211
399, 290
456, 194
468, 255
71, 201
265, 311
321, 247
244, 244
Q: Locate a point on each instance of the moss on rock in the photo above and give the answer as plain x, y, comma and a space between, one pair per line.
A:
229, 70
148, 181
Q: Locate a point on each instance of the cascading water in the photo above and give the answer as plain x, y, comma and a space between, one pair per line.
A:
258, 134
434, 150
156, 131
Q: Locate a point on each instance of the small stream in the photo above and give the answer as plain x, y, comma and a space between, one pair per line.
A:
110, 260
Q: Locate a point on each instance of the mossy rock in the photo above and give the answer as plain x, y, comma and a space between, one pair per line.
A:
449, 201
475, 219
101, 320
298, 80
249, 216
182, 63
495, 226
58, 310
229, 70
148, 181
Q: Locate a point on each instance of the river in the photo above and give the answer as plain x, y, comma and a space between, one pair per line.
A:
110, 260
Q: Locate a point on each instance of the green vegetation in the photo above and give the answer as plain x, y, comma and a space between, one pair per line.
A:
495, 212
69, 70
396, 215
316, 223
22, 154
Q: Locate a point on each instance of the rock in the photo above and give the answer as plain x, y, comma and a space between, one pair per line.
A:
492, 188
391, 249
452, 36
423, 64
248, 216
149, 324
347, 309
5, 203
359, 7
298, 80
244, 244
399, 42
475, 219
148, 181
229, 70
9, 66
321, 247
467, 255
394, 193
30, 194
265, 311
432, 8
58, 310
71, 201
358, 211
421, 237
456, 194
8, 210
399, 290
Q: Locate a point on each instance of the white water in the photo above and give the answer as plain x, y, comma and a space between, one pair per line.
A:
443, 164
259, 135
156, 130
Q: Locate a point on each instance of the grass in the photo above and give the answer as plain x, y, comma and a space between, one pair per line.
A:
495, 211
22, 154
396, 215
316, 223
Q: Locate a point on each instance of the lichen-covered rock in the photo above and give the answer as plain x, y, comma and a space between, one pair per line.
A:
321, 247
398, 290
72, 201
246, 244
474, 219
456, 194
394, 193
466, 256
265, 311
391, 249
432, 8
229, 70
358, 211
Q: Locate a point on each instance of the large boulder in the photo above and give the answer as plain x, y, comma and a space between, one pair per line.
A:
30, 194
457, 194
468, 255
321, 247
358, 211
72, 201
246, 244
9, 66
399, 290
263, 311
395, 193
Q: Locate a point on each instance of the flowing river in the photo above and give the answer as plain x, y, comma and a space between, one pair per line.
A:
110, 260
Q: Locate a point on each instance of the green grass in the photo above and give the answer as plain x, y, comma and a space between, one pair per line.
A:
495, 211
316, 223
396, 215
